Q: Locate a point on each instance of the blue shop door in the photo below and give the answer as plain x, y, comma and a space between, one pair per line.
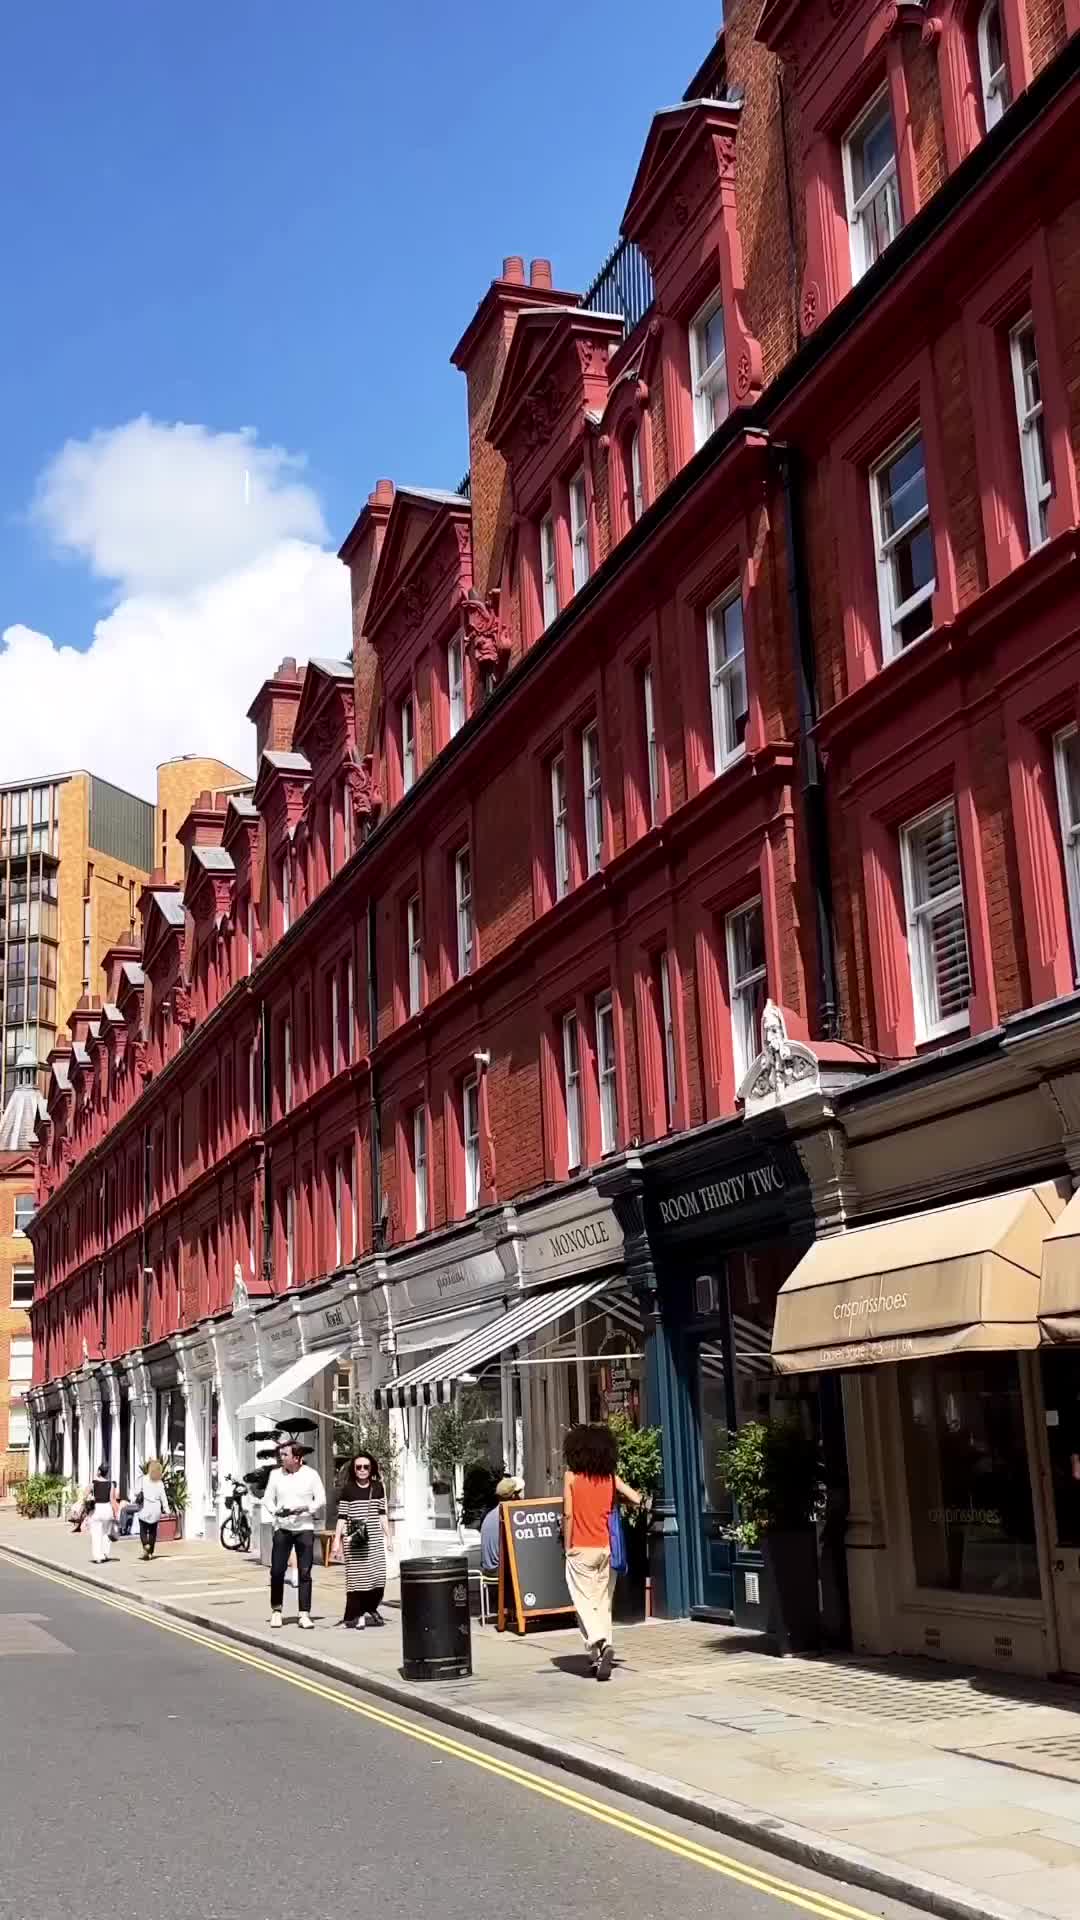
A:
715, 1595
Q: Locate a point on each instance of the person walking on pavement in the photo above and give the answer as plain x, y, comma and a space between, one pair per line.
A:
152, 1502
590, 1490
363, 1534
103, 1505
294, 1496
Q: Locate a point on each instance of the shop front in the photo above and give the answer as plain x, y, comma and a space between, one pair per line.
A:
539, 1336
961, 1423
308, 1346
202, 1432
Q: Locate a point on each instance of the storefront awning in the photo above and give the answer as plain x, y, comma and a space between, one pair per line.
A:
295, 1375
432, 1385
960, 1278
1059, 1295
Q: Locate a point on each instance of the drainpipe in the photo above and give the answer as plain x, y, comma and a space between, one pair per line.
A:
815, 819
375, 1131
267, 1184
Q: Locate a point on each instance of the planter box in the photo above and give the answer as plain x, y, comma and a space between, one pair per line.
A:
628, 1606
793, 1605
170, 1527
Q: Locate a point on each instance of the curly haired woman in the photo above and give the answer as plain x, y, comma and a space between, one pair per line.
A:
590, 1489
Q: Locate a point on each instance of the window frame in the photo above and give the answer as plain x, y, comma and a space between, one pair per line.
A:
1034, 451
742, 987
705, 378
652, 743
421, 1197
414, 954
857, 204
607, 1080
572, 1096
636, 476
920, 914
23, 1200
890, 614
286, 1065
593, 790
407, 743
560, 825
1070, 839
668, 1044
285, 891
995, 87
463, 912
578, 498
471, 1154
455, 684
722, 672
18, 1274
549, 570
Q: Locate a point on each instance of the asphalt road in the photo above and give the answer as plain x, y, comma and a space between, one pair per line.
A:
150, 1772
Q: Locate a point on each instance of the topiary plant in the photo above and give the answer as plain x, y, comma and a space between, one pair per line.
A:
640, 1461
773, 1474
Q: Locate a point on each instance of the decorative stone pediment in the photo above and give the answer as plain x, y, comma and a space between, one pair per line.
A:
784, 1070
558, 361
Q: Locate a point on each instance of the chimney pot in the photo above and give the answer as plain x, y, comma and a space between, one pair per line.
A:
384, 491
540, 273
514, 268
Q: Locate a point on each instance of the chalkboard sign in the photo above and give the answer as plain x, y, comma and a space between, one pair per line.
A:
532, 1576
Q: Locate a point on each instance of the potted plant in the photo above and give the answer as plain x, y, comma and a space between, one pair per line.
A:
772, 1471
639, 1464
38, 1495
453, 1447
171, 1524
364, 1430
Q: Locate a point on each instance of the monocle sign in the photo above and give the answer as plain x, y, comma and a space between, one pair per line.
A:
573, 1245
752, 1185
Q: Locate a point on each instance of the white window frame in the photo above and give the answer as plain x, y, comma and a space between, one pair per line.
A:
470, 1140
993, 81
253, 1088
286, 1067
607, 1072
742, 989
455, 683
414, 936
335, 1024
24, 1200
920, 916
286, 902
861, 229
290, 1236
1070, 839
579, 529
707, 378
18, 1427
21, 1359
347, 819
408, 744
339, 1185
893, 613
592, 778
571, 1051
1038, 486
463, 905
724, 674
637, 483
549, 578
420, 1177
652, 743
350, 1007
17, 1274
667, 1026
560, 826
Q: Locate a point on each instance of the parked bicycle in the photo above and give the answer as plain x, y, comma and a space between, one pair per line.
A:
235, 1531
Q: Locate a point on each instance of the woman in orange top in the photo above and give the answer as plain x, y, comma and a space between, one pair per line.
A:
590, 1489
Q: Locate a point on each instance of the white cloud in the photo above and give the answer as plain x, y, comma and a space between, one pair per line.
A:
213, 545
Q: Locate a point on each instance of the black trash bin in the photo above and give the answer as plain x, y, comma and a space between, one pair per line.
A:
436, 1637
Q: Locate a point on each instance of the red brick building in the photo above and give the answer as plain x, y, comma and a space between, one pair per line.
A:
740, 680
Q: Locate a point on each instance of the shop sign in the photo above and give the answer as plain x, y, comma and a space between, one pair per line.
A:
200, 1361
756, 1184
335, 1322
237, 1348
574, 1245
439, 1287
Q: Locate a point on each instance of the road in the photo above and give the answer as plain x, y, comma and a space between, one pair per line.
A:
152, 1770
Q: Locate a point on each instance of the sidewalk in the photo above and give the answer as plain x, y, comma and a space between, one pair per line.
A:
958, 1792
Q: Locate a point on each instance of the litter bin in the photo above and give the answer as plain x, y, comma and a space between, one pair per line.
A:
436, 1638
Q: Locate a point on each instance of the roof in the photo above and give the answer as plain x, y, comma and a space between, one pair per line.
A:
286, 762
337, 669
446, 497
132, 974
25, 1105
214, 859
169, 906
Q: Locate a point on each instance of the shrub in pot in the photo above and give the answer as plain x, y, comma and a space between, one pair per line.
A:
772, 1471
171, 1524
640, 1465
39, 1494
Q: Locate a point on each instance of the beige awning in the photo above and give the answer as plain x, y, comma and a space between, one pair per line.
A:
960, 1278
1059, 1295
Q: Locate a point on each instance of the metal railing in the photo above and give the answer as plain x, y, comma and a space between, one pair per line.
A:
623, 285
464, 486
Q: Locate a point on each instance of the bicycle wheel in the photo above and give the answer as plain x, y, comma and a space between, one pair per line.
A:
231, 1536
243, 1530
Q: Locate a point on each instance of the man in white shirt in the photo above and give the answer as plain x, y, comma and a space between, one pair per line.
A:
294, 1497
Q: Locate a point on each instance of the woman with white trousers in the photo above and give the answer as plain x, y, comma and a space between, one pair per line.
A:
103, 1507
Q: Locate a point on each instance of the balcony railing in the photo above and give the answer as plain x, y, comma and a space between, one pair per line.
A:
623, 285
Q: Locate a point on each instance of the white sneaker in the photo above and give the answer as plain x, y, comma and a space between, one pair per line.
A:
275, 1618
305, 1620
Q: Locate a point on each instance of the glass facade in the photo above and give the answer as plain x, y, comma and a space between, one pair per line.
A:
968, 1484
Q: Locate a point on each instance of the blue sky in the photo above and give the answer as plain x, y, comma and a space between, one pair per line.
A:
281, 218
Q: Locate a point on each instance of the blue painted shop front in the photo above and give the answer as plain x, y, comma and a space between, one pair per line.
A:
714, 1225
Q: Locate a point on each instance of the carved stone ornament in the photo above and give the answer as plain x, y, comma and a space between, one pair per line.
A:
183, 1011
810, 307
743, 375
485, 635
541, 411
784, 1069
141, 1057
364, 789
239, 1291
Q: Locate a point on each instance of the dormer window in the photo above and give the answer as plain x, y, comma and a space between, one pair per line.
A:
548, 582
993, 69
408, 745
708, 370
579, 530
873, 198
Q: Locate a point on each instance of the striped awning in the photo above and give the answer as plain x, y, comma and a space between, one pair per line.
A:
432, 1385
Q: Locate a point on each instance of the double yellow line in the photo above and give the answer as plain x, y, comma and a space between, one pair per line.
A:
699, 1855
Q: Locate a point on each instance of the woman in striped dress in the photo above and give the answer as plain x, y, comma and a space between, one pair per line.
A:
363, 1533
